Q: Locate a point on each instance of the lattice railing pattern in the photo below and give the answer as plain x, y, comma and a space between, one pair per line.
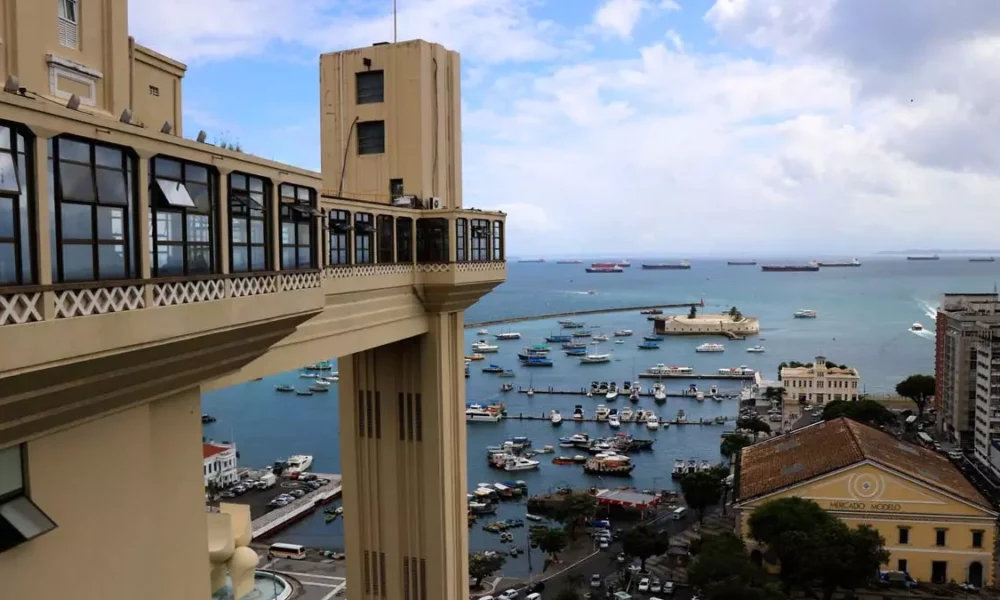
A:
434, 268
20, 308
253, 286
471, 267
188, 292
299, 281
342, 271
98, 301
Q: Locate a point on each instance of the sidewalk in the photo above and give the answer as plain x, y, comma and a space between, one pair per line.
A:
715, 522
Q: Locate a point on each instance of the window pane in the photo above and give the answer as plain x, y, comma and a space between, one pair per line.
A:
288, 258
109, 223
303, 234
4, 137
257, 204
257, 232
76, 222
305, 258
111, 187
167, 168
199, 259
288, 233
73, 150
111, 261
78, 262
11, 478
175, 193
7, 226
200, 197
256, 184
8, 267
195, 173
302, 194
238, 182
239, 258
198, 228
76, 182
25, 518
8, 176
287, 191
169, 260
239, 231
108, 157
371, 137
168, 226
258, 257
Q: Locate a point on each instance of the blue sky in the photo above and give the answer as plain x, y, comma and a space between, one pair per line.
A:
650, 126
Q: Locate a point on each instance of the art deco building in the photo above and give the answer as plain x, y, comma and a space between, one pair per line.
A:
139, 268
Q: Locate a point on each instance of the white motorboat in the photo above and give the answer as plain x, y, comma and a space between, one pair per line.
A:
599, 337
623, 332
555, 417
662, 369
578, 412
634, 394
652, 421
613, 422
916, 327
637, 387
591, 359
659, 392
484, 348
530, 392
601, 412
699, 396
710, 348
680, 468
626, 415
299, 463
508, 335
322, 382
483, 332
713, 391
612, 394
476, 413
619, 341
519, 463
681, 417
805, 313
756, 349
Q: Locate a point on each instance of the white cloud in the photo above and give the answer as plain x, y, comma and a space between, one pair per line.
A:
620, 16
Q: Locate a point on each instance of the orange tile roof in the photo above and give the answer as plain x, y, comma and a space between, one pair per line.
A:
208, 450
812, 451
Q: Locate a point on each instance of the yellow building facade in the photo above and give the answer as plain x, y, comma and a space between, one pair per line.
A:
937, 527
139, 268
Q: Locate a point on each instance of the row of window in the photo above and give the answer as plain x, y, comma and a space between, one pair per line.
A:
831, 383
941, 537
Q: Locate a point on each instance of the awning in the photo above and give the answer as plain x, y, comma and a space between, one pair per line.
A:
629, 498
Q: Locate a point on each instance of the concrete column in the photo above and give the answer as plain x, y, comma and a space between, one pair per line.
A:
43, 240
275, 223
223, 213
404, 466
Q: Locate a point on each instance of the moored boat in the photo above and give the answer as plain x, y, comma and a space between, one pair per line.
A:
805, 313
609, 463
710, 348
756, 349
591, 359
483, 347
508, 335
555, 417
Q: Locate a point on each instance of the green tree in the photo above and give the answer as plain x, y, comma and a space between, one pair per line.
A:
732, 444
754, 424
701, 490
868, 412
484, 564
775, 394
575, 509
918, 388
550, 540
723, 571
735, 314
643, 542
693, 312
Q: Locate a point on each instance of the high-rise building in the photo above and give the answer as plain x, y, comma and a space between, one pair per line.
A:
139, 268
956, 361
987, 388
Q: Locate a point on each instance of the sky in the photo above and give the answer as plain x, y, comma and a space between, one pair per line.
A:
651, 127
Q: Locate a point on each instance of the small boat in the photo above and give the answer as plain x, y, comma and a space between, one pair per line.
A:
609, 463
570, 325
323, 382
691, 467
518, 463
633, 395
805, 313
483, 332
916, 327
699, 396
532, 517
601, 412
578, 412
506, 387
483, 347
592, 359
475, 356
756, 349
563, 460
619, 341
651, 311
652, 338
558, 339
582, 334
530, 392
555, 418
537, 361
303, 393
207, 418
612, 392
319, 388
705, 466
600, 337
713, 391
307, 375
613, 421
492, 368
626, 415
508, 373
602, 387
652, 422
681, 417
710, 348
623, 332
659, 393
679, 469
577, 352
649, 346
509, 335
574, 346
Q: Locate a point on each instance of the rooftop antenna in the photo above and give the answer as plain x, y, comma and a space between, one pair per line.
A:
394, 29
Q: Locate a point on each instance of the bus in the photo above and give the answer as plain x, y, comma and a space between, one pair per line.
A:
292, 551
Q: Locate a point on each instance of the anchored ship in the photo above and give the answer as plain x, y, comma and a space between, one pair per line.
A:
664, 266
742, 263
853, 263
811, 266
930, 257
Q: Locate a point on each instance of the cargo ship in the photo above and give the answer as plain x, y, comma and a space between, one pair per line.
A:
930, 257
531, 260
982, 259
853, 263
569, 262
665, 266
621, 265
742, 263
811, 266
598, 268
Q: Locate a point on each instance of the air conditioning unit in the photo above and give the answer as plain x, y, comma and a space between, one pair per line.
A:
404, 201
434, 203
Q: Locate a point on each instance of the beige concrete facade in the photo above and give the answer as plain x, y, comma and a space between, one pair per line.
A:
706, 324
110, 329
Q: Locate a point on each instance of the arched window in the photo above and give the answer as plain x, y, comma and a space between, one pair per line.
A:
182, 214
364, 231
386, 242
480, 239
249, 215
432, 240
497, 240
461, 237
17, 215
340, 237
93, 211
298, 207
404, 240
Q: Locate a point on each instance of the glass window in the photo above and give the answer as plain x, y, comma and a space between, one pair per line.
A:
364, 231
432, 240
371, 137
404, 239
941, 537
17, 258
497, 240
340, 240
249, 214
297, 210
67, 10
977, 539
386, 242
92, 211
461, 235
20, 519
904, 535
371, 87
479, 238
11, 477
182, 205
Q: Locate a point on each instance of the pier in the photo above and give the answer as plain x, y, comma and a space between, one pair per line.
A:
583, 392
578, 313
545, 417
740, 376
268, 520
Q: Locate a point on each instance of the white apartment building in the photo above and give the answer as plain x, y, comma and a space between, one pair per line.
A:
220, 464
986, 436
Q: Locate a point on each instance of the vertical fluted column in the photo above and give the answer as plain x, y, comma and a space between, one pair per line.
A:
404, 468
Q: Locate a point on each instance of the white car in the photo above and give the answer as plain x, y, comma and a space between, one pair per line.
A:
603, 544
644, 584
510, 594
655, 586
668, 587
595, 581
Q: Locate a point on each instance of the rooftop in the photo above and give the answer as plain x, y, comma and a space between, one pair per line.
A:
810, 371
209, 450
807, 453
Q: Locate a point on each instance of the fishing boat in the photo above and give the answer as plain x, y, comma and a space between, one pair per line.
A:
508, 335
484, 348
591, 359
284, 388
756, 349
652, 422
649, 346
536, 361
493, 368
609, 463
506, 387
558, 339
659, 393
805, 313
555, 418
623, 332
709, 347
652, 338
577, 352
678, 470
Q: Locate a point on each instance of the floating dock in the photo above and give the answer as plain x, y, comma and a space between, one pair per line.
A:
545, 417
624, 396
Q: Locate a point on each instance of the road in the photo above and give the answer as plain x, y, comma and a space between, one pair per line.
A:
604, 563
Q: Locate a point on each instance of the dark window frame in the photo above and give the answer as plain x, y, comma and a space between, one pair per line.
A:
159, 206
242, 209
404, 239
296, 210
498, 245
371, 137
904, 535
385, 233
461, 239
369, 87
21, 145
981, 537
940, 538
340, 237
479, 240
364, 238
19, 500
58, 159
432, 240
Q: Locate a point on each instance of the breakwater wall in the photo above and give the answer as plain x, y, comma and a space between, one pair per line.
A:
577, 313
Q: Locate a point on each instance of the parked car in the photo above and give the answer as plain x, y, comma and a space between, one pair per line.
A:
595, 581
510, 594
668, 588
655, 586
644, 584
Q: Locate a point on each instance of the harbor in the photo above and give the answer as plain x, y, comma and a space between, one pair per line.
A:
578, 313
720, 420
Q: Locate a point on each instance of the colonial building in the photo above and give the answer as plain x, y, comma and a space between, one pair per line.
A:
936, 525
220, 464
820, 383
